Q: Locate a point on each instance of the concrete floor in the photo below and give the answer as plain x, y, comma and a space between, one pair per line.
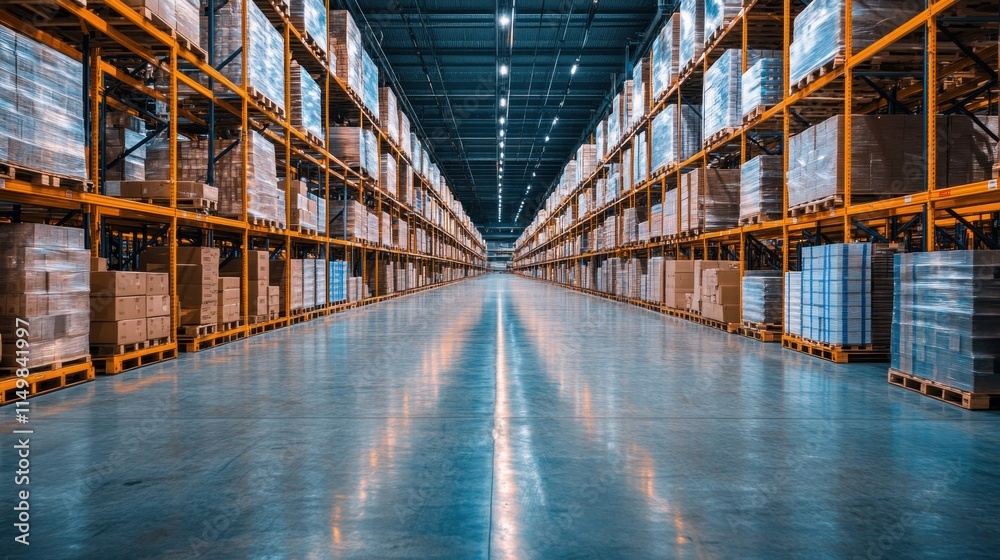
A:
505, 418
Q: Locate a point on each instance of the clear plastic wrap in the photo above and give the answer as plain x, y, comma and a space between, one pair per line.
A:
389, 114
601, 139
793, 303
45, 274
309, 16
946, 318
819, 30
357, 147
664, 138
41, 111
322, 288
762, 297
586, 162
388, 174
308, 283
369, 83
640, 84
761, 189
307, 102
404, 135
692, 28
266, 59
710, 199
665, 55
722, 90
640, 167
123, 131
670, 212
345, 42
761, 85
719, 13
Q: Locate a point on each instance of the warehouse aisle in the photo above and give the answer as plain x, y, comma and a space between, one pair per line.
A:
506, 418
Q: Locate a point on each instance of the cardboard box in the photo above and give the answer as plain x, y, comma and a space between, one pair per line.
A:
117, 308
208, 315
258, 305
129, 331
117, 284
26, 305
273, 296
157, 327
257, 266
194, 274
257, 288
228, 312
197, 296
208, 256
157, 284
157, 306
98, 264
229, 283
273, 311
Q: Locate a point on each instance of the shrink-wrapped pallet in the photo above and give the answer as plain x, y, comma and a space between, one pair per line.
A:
640, 86
389, 114
355, 146
348, 220
309, 17
121, 133
601, 139
345, 42
819, 36
640, 161
369, 83
722, 90
762, 297
586, 162
761, 189
761, 86
388, 175
404, 134
670, 225
41, 111
692, 28
793, 303
710, 199
307, 102
665, 57
265, 51
719, 14
308, 283
45, 277
321, 278
946, 318
337, 281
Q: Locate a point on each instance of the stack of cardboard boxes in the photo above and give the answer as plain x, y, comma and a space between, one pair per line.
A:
678, 283
720, 294
128, 307
229, 300
197, 281
258, 283
45, 280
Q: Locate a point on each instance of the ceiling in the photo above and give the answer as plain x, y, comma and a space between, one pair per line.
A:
446, 57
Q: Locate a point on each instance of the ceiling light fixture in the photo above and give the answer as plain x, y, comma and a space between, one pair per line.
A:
546, 138
554, 121
501, 143
502, 120
572, 71
501, 133
504, 69
503, 101
504, 20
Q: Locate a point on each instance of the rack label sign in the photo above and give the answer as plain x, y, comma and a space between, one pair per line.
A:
992, 185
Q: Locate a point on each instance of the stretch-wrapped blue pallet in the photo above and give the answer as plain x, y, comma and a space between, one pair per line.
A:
665, 55
722, 105
761, 85
665, 147
762, 297
719, 13
640, 168
266, 66
819, 30
41, 111
369, 92
692, 42
793, 303
946, 318
761, 188
309, 16
338, 281
640, 83
307, 101
357, 147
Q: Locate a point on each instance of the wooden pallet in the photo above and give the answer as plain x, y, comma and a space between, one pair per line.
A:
158, 22
315, 140
817, 206
818, 73
838, 354
254, 319
197, 344
193, 331
43, 178
719, 136
155, 353
316, 48
104, 350
958, 397
228, 326
261, 222
731, 328
756, 219
302, 230
764, 332
755, 115
67, 374
265, 101
202, 205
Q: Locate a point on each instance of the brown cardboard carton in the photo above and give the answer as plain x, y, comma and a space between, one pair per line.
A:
157, 284
194, 274
273, 296
196, 295
117, 308
200, 316
26, 305
208, 256
98, 264
157, 306
258, 305
229, 283
118, 284
129, 331
257, 288
157, 327
229, 312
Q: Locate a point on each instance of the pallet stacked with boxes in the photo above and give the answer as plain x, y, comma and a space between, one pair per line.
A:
197, 285
128, 311
716, 293
265, 79
258, 283
228, 302
45, 275
762, 298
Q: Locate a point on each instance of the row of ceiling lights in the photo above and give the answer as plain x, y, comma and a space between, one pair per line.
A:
504, 71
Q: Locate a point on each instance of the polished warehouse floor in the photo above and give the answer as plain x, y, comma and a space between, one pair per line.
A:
505, 418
